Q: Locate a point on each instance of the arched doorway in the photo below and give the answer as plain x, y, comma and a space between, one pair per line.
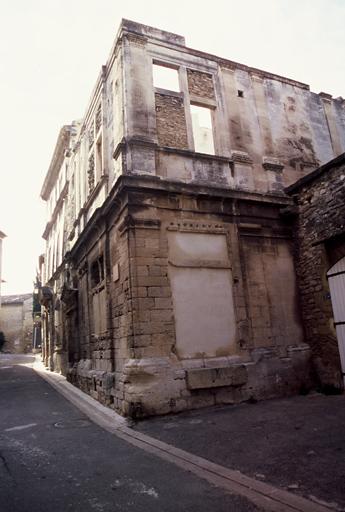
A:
336, 281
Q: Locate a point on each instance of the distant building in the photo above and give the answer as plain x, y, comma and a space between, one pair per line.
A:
169, 279
16, 322
2, 236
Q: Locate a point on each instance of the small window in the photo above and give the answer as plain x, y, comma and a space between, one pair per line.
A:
165, 78
202, 129
99, 163
97, 272
240, 94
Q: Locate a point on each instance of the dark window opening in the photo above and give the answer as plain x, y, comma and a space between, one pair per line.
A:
97, 272
240, 94
232, 169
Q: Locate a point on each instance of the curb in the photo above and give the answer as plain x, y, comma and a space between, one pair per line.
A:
264, 495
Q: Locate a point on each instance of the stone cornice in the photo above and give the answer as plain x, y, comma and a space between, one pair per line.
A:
59, 152
117, 199
55, 212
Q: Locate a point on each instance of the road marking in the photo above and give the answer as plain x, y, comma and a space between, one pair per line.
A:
262, 494
20, 427
5, 367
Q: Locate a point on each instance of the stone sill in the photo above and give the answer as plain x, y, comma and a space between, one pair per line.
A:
193, 154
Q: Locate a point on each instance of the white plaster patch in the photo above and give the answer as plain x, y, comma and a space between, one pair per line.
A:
20, 427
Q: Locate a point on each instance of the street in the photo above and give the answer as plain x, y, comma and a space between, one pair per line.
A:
279, 455
53, 458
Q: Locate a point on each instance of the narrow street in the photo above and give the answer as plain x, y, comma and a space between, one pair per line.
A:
54, 458
283, 455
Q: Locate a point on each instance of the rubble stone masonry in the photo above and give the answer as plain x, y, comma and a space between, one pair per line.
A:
171, 121
319, 238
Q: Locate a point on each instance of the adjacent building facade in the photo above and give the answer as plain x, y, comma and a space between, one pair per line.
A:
319, 226
169, 281
16, 322
2, 236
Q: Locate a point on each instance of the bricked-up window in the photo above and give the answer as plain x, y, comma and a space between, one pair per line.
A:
202, 129
165, 78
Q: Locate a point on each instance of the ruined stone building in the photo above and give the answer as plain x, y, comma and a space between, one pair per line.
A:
169, 280
16, 322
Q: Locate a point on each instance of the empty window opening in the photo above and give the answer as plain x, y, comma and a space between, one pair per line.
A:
97, 272
165, 78
240, 94
232, 169
99, 163
202, 129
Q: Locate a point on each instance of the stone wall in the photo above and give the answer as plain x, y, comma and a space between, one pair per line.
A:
271, 129
319, 228
181, 277
16, 322
192, 267
200, 84
171, 121
174, 285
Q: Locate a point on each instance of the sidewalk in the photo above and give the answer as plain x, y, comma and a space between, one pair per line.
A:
283, 455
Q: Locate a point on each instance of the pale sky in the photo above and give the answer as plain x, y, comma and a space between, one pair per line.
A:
51, 52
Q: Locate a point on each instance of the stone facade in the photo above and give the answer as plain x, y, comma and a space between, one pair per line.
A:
16, 322
320, 243
168, 281
2, 236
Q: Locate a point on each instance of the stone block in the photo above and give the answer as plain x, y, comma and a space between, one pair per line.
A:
204, 378
163, 303
159, 291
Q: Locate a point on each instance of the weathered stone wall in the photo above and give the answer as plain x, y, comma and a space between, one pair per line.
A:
152, 229
272, 130
321, 213
178, 279
164, 374
17, 324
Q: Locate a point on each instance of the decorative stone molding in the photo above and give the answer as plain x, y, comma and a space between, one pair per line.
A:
196, 227
135, 39
241, 157
272, 164
325, 96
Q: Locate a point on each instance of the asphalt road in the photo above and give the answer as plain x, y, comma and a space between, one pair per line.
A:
296, 444
53, 458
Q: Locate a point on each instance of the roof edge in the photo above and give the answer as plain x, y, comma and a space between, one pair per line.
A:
315, 174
